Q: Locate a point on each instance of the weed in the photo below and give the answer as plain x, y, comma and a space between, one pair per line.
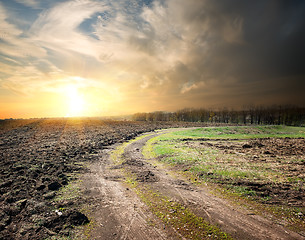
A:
68, 192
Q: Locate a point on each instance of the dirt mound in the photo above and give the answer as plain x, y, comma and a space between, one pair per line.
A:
279, 193
58, 221
133, 162
146, 176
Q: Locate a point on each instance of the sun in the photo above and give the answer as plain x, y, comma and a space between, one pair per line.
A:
75, 102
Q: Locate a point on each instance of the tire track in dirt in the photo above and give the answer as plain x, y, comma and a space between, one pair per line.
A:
239, 222
120, 214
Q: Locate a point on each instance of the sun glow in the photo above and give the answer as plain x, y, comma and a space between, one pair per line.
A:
75, 102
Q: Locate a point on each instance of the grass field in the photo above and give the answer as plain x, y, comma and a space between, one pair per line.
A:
264, 164
243, 132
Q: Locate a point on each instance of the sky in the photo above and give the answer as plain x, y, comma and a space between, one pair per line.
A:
63, 58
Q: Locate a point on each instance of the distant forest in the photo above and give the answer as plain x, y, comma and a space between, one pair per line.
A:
275, 115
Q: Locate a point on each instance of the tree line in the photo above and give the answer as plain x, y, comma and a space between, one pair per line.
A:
274, 115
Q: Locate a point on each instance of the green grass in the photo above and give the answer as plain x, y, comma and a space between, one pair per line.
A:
242, 132
200, 162
59, 238
213, 164
208, 163
68, 192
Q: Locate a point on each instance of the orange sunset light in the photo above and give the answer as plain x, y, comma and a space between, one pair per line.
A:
70, 58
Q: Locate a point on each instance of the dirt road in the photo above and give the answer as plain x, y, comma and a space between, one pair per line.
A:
119, 213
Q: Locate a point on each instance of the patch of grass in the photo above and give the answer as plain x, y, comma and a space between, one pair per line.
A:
148, 150
163, 149
86, 231
68, 192
242, 132
117, 153
174, 214
212, 164
243, 191
72, 192
59, 238
206, 162
284, 215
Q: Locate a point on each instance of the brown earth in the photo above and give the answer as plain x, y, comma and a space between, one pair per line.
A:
120, 214
38, 157
284, 155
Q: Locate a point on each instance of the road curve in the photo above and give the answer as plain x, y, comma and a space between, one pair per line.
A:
120, 214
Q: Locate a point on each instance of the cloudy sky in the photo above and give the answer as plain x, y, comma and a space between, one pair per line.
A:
103, 57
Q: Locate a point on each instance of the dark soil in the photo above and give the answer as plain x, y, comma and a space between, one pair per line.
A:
146, 176
39, 157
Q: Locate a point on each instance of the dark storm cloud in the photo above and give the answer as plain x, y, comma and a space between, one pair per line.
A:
274, 33
245, 51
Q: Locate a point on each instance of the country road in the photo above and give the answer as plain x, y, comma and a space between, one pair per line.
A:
119, 213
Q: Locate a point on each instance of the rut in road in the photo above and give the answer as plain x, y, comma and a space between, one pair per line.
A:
116, 211
122, 215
